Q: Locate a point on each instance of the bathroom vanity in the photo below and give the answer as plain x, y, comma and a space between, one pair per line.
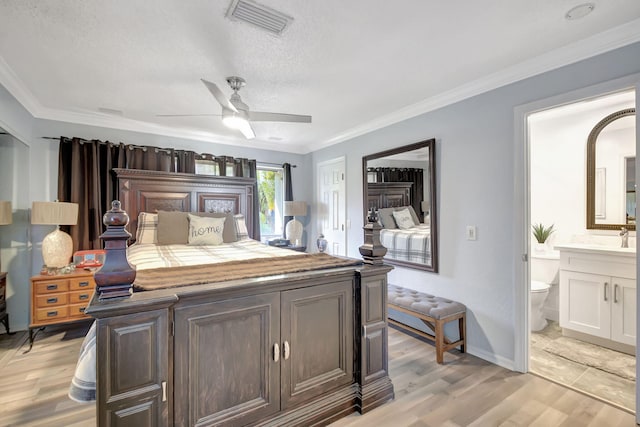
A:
598, 294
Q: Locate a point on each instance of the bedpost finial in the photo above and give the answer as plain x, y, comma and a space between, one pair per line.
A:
115, 216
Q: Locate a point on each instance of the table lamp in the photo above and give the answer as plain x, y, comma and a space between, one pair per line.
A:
293, 230
425, 210
6, 216
57, 246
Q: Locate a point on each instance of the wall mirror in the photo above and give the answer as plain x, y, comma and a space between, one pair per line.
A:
611, 184
400, 184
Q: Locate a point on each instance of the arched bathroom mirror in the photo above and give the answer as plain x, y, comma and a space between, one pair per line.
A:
404, 179
611, 185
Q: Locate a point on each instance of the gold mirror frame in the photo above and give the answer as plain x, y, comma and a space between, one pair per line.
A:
591, 172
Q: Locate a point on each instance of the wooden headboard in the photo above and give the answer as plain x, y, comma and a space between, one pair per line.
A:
151, 191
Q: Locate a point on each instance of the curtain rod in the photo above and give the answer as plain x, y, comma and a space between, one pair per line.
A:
262, 163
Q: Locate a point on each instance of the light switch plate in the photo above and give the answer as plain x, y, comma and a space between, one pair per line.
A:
472, 233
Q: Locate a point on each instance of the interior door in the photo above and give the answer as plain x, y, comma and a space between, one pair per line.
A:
332, 205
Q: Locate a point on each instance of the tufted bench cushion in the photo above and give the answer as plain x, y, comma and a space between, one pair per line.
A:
432, 306
432, 311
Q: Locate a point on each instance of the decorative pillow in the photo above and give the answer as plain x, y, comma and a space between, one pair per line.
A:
403, 219
229, 233
241, 227
147, 232
385, 217
205, 231
412, 211
173, 228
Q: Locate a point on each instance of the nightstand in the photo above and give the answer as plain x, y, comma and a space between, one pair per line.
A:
59, 299
295, 248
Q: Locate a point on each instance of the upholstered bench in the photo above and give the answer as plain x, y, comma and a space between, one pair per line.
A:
434, 312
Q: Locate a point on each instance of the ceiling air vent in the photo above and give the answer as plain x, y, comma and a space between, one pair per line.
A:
259, 15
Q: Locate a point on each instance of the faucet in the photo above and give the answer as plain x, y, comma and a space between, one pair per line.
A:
624, 233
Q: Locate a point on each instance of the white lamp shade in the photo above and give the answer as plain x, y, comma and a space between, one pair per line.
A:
295, 208
6, 216
54, 213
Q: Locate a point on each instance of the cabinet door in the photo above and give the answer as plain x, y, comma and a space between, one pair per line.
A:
225, 372
623, 311
317, 341
133, 390
585, 303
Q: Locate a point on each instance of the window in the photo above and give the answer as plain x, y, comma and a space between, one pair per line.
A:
271, 199
209, 167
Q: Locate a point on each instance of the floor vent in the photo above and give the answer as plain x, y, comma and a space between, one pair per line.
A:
259, 15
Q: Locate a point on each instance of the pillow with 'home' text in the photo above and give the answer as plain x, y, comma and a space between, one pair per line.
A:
205, 230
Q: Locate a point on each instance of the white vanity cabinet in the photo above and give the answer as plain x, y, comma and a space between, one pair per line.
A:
598, 292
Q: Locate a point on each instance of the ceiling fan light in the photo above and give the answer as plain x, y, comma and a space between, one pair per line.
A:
234, 121
237, 121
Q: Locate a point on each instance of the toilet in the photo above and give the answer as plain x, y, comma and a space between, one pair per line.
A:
544, 273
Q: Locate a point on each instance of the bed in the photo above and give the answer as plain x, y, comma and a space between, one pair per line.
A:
406, 239
252, 342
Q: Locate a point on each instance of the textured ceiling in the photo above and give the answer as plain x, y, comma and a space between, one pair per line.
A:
353, 65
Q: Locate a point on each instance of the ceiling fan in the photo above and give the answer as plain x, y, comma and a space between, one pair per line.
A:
236, 114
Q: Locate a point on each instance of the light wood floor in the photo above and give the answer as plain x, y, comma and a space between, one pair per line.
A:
466, 391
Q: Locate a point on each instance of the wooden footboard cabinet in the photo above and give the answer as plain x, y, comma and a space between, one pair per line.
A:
297, 349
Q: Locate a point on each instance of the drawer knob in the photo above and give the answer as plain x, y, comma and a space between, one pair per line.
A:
52, 313
52, 287
83, 296
52, 300
82, 309
83, 284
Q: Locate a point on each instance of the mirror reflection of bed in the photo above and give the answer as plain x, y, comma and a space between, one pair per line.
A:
400, 184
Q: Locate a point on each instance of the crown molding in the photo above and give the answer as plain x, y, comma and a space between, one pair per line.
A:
597, 44
592, 46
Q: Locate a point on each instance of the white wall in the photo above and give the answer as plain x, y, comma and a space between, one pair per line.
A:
475, 186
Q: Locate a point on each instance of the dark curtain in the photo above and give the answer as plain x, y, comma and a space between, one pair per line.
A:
185, 161
288, 193
85, 178
414, 175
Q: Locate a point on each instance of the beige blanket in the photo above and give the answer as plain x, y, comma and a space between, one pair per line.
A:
161, 278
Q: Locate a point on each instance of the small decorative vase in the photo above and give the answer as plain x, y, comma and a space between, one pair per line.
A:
322, 243
540, 247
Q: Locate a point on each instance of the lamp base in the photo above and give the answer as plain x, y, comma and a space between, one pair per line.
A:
57, 248
293, 231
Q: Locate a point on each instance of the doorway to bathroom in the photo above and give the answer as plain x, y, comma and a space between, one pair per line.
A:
560, 310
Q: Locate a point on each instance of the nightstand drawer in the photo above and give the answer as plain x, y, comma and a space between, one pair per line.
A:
49, 286
77, 310
52, 313
78, 297
52, 300
81, 284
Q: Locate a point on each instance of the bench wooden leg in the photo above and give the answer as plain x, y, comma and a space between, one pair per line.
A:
440, 341
462, 328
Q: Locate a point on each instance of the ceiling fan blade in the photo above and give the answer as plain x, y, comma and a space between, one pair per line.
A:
188, 115
257, 116
247, 131
218, 95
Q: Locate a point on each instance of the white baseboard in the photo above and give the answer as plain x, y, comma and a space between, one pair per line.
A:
492, 358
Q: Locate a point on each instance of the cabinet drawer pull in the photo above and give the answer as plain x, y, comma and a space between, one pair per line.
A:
83, 296
52, 300
52, 287
83, 284
81, 310
276, 352
164, 391
606, 286
52, 313
615, 293
286, 350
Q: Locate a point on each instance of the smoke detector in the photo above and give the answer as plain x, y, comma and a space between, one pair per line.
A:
259, 15
579, 11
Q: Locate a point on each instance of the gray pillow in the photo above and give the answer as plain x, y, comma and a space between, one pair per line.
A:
173, 227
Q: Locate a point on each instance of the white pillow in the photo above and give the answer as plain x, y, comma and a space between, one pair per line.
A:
205, 230
241, 227
147, 231
403, 219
